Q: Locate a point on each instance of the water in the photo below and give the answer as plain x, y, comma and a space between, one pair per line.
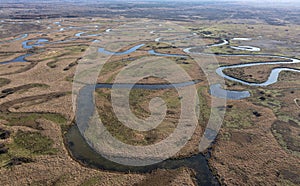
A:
246, 48
80, 34
25, 45
147, 86
217, 91
224, 42
241, 39
152, 52
157, 39
17, 59
133, 49
273, 77
23, 36
82, 152
85, 108
37, 42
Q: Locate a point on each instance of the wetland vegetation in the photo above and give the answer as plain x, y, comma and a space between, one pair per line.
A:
253, 47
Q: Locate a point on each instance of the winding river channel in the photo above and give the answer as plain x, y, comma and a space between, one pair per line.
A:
83, 34
216, 90
23, 36
28, 44
81, 151
85, 154
273, 77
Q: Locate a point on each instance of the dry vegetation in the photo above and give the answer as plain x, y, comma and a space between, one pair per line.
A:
257, 145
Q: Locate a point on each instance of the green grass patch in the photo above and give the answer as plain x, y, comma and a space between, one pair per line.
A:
225, 49
24, 146
267, 98
34, 85
61, 180
4, 81
283, 133
76, 49
29, 120
92, 181
136, 99
288, 76
238, 118
34, 142
139, 102
205, 109
52, 64
112, 66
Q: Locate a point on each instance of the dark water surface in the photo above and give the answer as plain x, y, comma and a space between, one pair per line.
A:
83, 153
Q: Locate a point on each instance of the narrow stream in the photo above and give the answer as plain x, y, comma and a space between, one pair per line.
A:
83, 34
152, 52
147, 86
17, 59
81, 150
273, 77
217, 91
23, 36
25, 45
133, 49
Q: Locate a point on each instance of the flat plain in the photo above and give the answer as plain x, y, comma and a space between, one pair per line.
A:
258, 143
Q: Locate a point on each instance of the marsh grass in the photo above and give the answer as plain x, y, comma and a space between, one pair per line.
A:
25, 146
29, 120
33, 142
139, 102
